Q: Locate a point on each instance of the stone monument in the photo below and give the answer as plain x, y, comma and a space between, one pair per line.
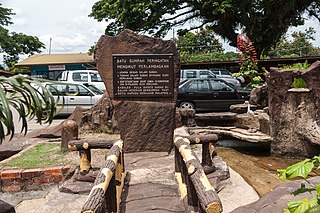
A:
141, 74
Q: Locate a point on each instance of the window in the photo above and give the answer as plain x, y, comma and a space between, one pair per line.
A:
225, 72
83, 91
198, 85
207, 74
95, 77
56, 89
221, 86
80, 76
191, 74
72, 90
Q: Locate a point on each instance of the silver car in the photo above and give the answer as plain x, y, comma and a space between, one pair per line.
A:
71, 95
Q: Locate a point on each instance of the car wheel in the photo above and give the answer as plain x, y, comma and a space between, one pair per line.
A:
186, 105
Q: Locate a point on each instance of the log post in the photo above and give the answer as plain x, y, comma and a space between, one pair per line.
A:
69, 132
208, 197
98, 198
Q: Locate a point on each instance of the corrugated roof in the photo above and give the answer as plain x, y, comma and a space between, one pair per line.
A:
45, 59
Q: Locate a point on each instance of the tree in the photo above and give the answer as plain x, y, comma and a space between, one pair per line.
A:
263, 21
12, 44
16, 93
300, 45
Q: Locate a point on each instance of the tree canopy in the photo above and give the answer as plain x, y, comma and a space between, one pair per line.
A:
12, 44
300, 45
263, 21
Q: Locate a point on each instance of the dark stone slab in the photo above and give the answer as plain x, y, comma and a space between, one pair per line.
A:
151, 197
76, 187
145, 123
6, 207
277, 199
145, 126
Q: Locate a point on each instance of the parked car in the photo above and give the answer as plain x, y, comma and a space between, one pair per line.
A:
209, 94
223, 73
204, 73
82, 76
71, 95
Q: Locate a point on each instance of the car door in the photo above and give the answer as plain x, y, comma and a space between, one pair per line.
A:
58, 92
78, 95
198, 92
223, 95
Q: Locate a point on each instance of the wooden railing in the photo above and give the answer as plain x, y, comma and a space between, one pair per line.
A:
195, 189
105, 196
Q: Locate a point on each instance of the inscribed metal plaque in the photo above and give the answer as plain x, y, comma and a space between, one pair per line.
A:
143, 75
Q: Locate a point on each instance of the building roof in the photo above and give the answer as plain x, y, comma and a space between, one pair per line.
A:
45, 59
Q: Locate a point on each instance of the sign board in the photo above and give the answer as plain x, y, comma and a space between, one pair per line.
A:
56, 67
143, 75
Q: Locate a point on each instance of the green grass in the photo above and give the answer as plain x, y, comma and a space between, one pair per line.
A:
40, 156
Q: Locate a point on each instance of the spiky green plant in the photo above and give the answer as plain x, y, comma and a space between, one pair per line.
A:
29, 98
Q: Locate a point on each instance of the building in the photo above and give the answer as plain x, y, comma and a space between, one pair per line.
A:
50, 65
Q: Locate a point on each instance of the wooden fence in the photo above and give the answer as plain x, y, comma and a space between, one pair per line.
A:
196, 191
105, 196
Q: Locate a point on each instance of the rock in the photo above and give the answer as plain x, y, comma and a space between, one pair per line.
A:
6, 207
145, 126
264, 122
259, 96
242, 108
185, 117
247, 121
146, 123
277, 199
290, 109
55, 132
216, 119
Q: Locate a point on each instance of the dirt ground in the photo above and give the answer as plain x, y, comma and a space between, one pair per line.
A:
259, 171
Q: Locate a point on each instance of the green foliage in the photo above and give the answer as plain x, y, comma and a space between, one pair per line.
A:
257, 18
13, 44
299, 83
299, 66
17, 93
303, 169
301, 45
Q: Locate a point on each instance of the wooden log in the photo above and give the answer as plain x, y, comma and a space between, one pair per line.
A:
202, 139
85, 161
208, 197
97, 143
96, 199
69, 132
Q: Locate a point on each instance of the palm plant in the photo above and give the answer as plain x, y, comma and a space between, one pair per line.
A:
30, 101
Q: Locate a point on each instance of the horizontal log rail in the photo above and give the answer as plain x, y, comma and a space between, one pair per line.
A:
106, 193
84, 147
195, 189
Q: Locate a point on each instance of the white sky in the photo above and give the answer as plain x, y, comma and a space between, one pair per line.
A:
68, 24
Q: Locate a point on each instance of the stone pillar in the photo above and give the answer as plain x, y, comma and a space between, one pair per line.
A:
146, 123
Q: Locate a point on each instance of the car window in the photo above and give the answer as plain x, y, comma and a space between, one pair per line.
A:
207, 74
57, 89
198, 86
225, 72
94, 89
95, 77
221, 86
80, 76
216, 72
83, 91
191, 74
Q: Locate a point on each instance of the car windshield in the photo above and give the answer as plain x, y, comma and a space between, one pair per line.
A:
94, 89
